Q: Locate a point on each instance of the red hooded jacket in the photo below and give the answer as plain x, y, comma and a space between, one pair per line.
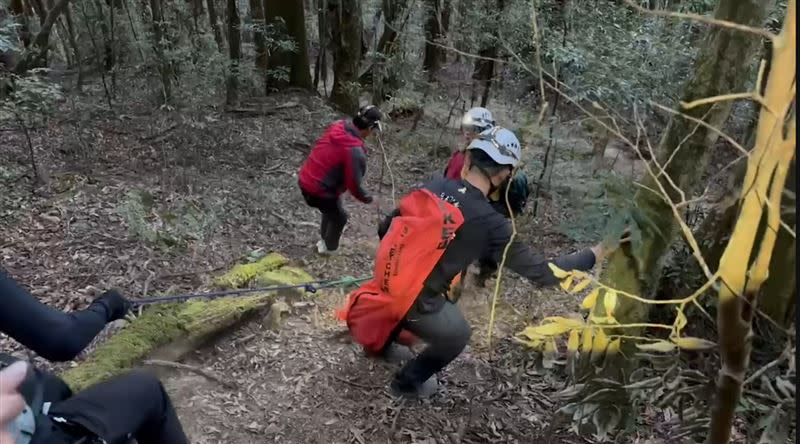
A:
337, 163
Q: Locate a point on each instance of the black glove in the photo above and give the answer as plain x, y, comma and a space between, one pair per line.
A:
115, 304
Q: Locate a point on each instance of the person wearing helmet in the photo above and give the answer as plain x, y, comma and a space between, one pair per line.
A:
337, 163
435, 234
475, 121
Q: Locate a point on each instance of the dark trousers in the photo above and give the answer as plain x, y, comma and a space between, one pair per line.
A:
334, 218
446, 333
131, 406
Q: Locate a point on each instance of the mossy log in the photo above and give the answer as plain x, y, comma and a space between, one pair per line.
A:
192, 322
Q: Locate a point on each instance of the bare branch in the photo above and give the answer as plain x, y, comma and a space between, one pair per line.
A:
702, 19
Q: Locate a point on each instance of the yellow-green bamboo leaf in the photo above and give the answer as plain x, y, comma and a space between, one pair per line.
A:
569, 322
614, 346
590, 300
546, 330
610, 302
690, 343
557, 272
566, 283
550, 346
586, 344
574, 341
580, 286
599, 344
659, 346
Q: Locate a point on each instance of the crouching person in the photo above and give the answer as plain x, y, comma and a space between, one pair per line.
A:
427, 242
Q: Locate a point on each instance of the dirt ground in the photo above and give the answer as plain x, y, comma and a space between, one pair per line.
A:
303, 383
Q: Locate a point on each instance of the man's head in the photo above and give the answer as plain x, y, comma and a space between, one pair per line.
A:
367, 120
476, 121
493, 155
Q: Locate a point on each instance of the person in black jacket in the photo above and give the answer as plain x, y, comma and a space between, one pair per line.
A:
133, 405
484, 233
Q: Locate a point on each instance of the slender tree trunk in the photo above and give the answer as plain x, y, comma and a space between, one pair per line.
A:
133, 30
18, 9
90, 31
74, 44
740, 280
257, 16
235, 52
346, 34
321, 66
108, 59
293, 16
432, 58
159, 34
212, 19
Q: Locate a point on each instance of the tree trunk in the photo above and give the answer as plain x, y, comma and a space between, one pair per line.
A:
741, 281
321, 64
720, 69
18, 10
346, 40
384, 83
75, 48
108, 58
259, 37
296, 62
214, 22
235, 51
434, 33
482, 75
159, 34
36, 57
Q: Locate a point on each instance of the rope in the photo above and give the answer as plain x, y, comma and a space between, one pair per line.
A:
310, 287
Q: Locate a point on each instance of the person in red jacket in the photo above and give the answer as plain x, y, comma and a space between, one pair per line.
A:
337, 163
474, 122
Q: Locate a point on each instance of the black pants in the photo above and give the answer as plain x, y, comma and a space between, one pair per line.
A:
334, 218
133, 405
53, 334
445, 331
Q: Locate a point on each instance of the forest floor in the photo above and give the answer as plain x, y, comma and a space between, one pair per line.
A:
163, 201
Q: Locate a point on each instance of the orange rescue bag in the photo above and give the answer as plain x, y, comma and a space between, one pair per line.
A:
413, 245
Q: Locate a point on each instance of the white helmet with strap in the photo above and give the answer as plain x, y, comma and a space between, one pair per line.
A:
500, 144
477, 119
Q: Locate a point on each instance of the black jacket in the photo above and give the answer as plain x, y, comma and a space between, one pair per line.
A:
485, 233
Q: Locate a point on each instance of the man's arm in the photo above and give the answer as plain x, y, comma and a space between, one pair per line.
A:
533, 266
53, 334
355, 167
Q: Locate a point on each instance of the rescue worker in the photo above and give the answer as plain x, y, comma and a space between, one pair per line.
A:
131, 406
433, 236
475, 121
337, 163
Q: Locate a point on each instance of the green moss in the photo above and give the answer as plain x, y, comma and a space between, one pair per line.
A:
161, 325
285, 276
242, 274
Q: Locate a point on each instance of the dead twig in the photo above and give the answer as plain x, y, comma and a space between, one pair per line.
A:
197, 370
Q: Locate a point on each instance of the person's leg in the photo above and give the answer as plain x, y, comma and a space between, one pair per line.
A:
446, 333
133, 405
486, 268
336, 220
51, 333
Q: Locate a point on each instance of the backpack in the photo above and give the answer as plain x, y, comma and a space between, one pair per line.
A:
38, 387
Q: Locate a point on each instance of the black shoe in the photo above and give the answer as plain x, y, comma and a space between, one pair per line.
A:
423, 391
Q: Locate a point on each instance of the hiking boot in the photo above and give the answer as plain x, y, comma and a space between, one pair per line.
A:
397, 354
423, 391
322, 248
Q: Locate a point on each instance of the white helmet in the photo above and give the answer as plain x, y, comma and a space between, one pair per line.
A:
500, 144
477, 119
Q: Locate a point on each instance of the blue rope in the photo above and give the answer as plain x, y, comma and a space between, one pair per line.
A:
309, 287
